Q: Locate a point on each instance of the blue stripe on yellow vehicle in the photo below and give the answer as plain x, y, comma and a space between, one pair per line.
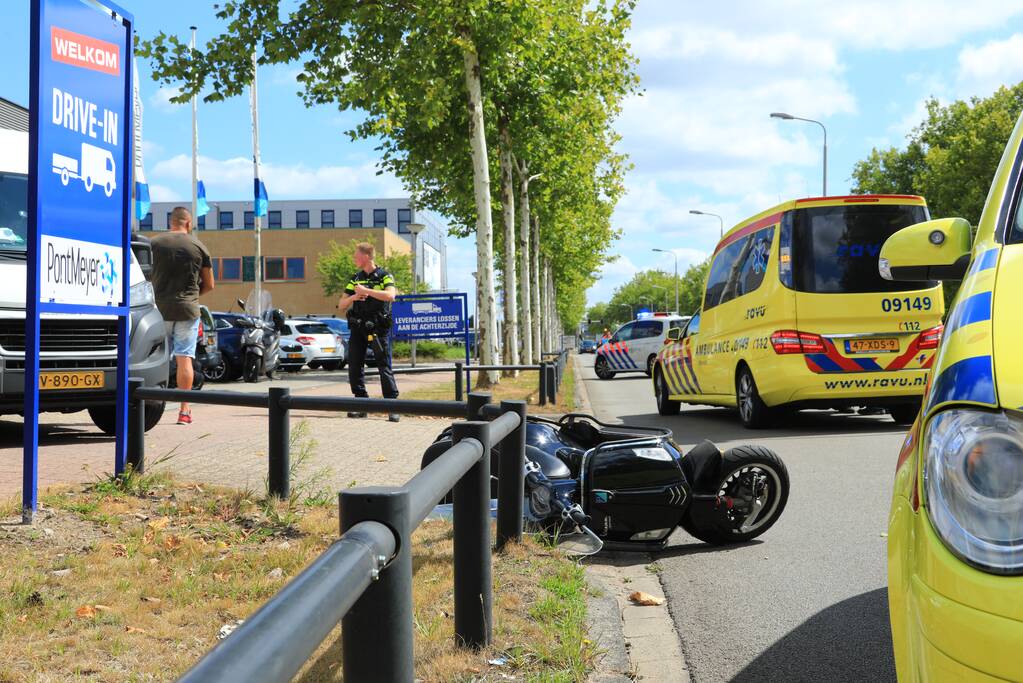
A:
973, 309
689, 365
971, 380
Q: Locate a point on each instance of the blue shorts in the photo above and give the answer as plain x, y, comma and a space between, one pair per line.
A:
185, 335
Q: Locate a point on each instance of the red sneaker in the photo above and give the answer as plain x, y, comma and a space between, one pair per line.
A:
185, 418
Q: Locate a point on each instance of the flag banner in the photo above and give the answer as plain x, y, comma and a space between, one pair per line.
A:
201, 206
262, 202
141, 187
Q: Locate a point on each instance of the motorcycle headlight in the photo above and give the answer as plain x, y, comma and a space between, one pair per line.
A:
973, 477
142, 294
540, 500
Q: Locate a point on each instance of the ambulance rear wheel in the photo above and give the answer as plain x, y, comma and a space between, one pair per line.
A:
603, 368
904, 414
753, 412
665, 406
650, 365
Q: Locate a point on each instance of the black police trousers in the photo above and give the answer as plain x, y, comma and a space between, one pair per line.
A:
357, 344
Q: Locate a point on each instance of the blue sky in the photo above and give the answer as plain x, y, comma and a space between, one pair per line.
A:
699, 135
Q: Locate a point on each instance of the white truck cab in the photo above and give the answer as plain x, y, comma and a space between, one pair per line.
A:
78, 353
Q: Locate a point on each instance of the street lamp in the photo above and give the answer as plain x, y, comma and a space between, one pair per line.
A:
708, 213
789, 117
415, 229
668, 251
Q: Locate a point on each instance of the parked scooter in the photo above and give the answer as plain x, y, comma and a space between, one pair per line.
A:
629, 488
260, 344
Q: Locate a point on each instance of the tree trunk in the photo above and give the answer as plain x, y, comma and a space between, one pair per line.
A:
535, 287
511, 309
526, 312
486, 318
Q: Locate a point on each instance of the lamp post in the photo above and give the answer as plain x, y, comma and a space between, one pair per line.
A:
668, 251
415, 229
789, 117
721, 220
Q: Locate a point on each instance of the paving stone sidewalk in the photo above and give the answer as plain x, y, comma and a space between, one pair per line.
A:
228, 445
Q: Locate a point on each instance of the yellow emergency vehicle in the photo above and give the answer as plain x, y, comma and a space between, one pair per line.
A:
796, 315
955, 536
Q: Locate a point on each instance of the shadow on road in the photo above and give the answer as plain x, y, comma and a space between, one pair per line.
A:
848, 641
11, 434
721, 424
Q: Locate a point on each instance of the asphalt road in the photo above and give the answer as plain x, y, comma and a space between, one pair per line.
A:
807, 601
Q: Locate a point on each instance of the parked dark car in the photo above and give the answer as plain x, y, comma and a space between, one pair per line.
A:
587, 346
229, 343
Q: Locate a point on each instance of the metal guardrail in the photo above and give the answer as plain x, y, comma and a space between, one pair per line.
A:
550, 374
364, 579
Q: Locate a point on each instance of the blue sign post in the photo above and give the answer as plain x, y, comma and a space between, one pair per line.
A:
79, 233
432, 316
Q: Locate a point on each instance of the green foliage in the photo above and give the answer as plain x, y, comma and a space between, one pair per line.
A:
337, 266
428, 350
553, 73
950, 158
648, 289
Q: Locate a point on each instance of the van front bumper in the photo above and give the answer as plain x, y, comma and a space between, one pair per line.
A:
148, 355
950, 621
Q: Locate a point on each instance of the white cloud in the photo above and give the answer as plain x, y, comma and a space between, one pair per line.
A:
161, 100
982, 69
162, 193
226, 178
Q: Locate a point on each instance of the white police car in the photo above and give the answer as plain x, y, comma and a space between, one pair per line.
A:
634, 346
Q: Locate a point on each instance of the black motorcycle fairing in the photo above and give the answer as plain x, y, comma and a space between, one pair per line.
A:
630, 504
552, 466
702, 466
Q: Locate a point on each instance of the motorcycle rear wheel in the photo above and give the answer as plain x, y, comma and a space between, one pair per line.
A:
737, 465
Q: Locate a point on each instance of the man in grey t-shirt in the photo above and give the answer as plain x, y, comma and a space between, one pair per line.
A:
182, 272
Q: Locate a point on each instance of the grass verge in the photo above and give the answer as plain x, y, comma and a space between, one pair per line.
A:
524, 387
133, 579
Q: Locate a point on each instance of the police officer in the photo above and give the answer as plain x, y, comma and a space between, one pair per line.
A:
367, 299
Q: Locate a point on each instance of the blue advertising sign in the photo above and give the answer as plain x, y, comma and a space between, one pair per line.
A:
426, 316
79, 235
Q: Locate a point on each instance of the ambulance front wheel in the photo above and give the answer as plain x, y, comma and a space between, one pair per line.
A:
603, 368
665, 406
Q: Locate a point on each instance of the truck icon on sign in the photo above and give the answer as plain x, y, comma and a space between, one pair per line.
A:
97, 168
425, 307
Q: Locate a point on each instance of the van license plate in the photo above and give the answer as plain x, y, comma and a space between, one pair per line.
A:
885, 345
294, 355
70, 380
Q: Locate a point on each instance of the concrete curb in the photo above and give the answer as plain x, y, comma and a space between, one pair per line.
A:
604, 624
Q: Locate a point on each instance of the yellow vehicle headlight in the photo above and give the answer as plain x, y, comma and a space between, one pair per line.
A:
973, 477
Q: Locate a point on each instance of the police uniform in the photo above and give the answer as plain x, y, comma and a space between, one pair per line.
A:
361, 315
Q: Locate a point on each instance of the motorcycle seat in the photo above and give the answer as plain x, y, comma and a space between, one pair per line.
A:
552, 467
573, 457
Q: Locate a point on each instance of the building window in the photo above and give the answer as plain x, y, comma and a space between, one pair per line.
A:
248, 269
273, 267
250, 220
230, 270
379, 218
216, 267
201, 222
147, 222
327, 218
296, 268
404, 218
302, 218
274, 219
169, 219
227, 220
354, 218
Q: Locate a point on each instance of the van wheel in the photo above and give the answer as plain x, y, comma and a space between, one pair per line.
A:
753, 412
603, 368
904, 414
665, 406
650, 365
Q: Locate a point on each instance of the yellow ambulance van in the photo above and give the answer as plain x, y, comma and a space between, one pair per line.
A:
796, 315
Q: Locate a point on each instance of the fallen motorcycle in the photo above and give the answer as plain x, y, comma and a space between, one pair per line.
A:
630, 487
